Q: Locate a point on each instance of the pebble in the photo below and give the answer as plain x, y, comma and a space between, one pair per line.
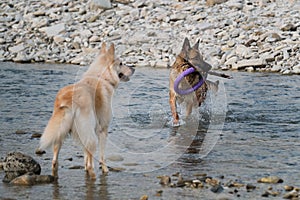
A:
159, 193
77, 167
288, 188
144, 197
217, 189
21, 132
165, 180
36, 135
250, 187
268, 193
217, 186
212, 182
115, 158
116, 169
60, 32
270, 179
291, 195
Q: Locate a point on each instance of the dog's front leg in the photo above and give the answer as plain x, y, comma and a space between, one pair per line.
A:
172, 102
102, 138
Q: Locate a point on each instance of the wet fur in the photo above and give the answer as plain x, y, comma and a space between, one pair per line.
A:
83, 109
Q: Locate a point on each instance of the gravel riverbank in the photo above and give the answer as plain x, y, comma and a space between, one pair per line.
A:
235, 34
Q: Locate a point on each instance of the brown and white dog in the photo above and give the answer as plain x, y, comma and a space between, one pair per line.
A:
84, 109
190, 58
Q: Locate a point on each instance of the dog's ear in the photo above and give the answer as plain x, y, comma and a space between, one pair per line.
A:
111, 52
186, 45
196, 45
111, 49
185, 48
103, 48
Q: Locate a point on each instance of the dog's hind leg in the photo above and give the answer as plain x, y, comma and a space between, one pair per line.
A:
55, 132
56, 149
85, 127
89, 164
102, 137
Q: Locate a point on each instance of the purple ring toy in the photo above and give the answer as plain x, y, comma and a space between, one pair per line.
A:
180, 77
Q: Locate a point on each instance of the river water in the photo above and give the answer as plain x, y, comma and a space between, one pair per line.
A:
248, 130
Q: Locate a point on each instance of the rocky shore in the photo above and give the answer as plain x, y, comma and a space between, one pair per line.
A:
258, 35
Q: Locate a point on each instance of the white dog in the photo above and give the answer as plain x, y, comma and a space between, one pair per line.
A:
84, 109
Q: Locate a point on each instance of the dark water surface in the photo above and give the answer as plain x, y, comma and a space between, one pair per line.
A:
248, 131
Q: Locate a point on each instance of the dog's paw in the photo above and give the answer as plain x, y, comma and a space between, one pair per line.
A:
104, 168
177, 123
92, 175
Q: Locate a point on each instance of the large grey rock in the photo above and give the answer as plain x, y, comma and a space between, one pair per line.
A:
17, 164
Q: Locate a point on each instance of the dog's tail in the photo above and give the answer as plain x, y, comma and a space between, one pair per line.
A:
57, 129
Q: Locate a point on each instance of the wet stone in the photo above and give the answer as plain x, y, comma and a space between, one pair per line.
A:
36, 135
165, 180
77, 167
288, 188
116, 169
130, 164
270, 179
197, 184
144, 197
115, 158
69, 159
291, 195
250, 187
20, 132
32, 179
217, 189
268, 193
17, 164
212, 182
159, 193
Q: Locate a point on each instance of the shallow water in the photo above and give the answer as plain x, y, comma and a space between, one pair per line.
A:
249, 130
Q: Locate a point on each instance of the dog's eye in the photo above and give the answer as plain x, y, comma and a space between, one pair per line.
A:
121, 75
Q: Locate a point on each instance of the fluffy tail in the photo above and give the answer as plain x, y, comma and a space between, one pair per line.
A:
57, 129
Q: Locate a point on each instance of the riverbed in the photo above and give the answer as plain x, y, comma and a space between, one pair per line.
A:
248, 130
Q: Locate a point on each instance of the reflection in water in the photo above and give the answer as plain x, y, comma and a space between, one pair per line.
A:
192, 143
103, 190
55, 189
90, 188
86, 189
